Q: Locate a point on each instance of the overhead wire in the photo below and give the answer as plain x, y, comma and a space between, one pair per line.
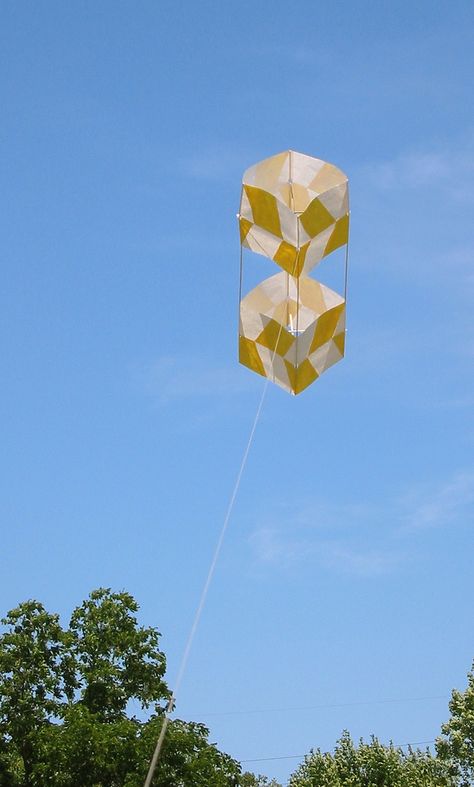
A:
322, 706
301, 756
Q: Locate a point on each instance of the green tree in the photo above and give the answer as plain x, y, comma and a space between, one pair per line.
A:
252, 780
188, 758
370, 765
116, 660
36, 683
88, 752
65, 697
456, 746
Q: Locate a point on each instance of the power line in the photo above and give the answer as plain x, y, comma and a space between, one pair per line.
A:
321, 706
301, 756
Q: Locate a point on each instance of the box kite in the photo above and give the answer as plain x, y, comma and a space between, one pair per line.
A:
294, 209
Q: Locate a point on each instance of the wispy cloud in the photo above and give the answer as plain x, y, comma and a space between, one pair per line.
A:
349, 539
169, 379
215, 164
361, 562
272, 545
420, 206
451, 170
275, 546
441, 505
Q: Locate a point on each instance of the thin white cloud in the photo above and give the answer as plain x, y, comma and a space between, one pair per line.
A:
416, 211
414, 171
274, 546
358, 545
171, 378
450, 170
362, 563
444, 505
215, 164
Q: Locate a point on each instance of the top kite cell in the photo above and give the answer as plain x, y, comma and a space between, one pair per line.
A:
294, 209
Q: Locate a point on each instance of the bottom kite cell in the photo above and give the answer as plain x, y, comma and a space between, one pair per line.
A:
291, 330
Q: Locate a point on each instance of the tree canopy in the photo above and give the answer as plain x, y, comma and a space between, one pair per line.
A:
456, 745
66, 700
370, 765
65, 695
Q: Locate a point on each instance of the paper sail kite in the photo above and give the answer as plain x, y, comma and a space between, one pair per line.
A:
294, 209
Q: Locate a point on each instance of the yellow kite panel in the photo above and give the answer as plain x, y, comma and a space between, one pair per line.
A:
299, 200
305, 338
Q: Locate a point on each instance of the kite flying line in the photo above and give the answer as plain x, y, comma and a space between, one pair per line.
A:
205, 590
293, 209
212, 567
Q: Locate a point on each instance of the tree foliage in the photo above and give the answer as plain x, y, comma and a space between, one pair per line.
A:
115, 659
370, 765
253, 780
456, 746
65, 695
37, 682
65, 715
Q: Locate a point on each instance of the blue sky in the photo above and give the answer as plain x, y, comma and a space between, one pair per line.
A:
346, 575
